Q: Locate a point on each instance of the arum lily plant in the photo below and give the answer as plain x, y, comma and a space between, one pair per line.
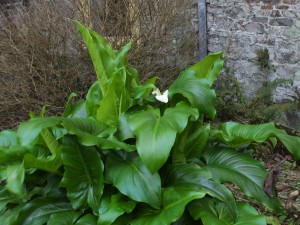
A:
117, 157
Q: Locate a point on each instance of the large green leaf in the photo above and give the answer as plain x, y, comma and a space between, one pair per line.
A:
196, 90
228, 165
191, 142
64, 218
236, 134
213, 212
15, 178
209, 68
186, 219
71, 217
112, 206
87, 219
83, 176
132, 178
8, 138
156, 134
91, 132
6, 197
93, 99
36, 212
101, 53
193, 176
28, 131
108, 109
51, 163
174, 202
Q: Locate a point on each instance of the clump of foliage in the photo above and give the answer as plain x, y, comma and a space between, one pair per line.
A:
42, 60
127, 156
233, 104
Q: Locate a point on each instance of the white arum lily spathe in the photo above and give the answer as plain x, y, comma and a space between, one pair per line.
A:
161, 97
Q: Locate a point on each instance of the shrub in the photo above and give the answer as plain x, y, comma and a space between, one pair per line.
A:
128, 154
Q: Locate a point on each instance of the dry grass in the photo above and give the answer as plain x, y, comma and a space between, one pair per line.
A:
41, 55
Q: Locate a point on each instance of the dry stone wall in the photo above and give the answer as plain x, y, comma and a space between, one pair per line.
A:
241, 27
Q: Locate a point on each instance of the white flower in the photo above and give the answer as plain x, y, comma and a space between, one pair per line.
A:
161, 97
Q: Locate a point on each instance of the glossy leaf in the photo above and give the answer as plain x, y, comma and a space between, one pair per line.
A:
209, 68
113, 206
143, 91
124, 131
156, 134
214, 212
68, 108
8, 138
91, 132
30, 130
64, 218
71, 217
191, 142
100, 52
132, 178
197, 91
5, 198
15, 178
39, 210
87, 219
193, 176
174, 202
78, 110
83, 176
186, 219
108, 110
93, 99
51, 163
236, 134
228, 165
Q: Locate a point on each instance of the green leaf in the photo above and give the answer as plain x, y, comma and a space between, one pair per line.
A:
87, 220
52, 144
132, 178
112, 207
10, 216
196, 90
78, 110
248, 174
156, 134
101, 53
64, 218
213, 212
235, 134
108, 109
39, 210
186, 219
193, 176
91, 132
71, 217
68, 107
93, 99
51, 163
8, 138
29, 131
191, 142
124, 131
174, 202
15, 178
209, 68
5, 198
143, 91
83, 176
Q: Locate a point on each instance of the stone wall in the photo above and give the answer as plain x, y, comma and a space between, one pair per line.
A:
241, 27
